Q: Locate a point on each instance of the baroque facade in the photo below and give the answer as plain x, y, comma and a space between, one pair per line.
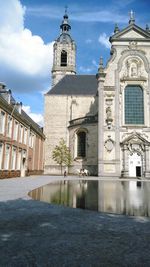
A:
104, 118
21, 139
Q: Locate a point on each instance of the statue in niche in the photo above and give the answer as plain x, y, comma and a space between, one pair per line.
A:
108, 112
134, 72
108, 116
132, 68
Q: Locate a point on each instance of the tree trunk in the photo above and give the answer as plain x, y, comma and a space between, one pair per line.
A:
61, 168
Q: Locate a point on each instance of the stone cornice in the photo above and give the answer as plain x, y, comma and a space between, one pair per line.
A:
62, 69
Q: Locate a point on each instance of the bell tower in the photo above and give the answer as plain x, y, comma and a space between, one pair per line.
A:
64, 53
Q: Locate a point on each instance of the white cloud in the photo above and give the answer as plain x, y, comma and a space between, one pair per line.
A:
104, 40
100, 16
37, 117
22, 54
110, 14
12, 16
95, 63
92, 68
88, 41
85, 69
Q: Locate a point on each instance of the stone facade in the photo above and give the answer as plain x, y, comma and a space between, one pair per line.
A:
63, 121
117, 139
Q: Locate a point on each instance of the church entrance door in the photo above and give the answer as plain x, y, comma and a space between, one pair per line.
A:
135, 165
138, 171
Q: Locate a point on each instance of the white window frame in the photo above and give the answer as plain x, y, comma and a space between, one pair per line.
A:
9, 126
2, 121
19, 158
16, 127
13, 158
20, 133
7, 157
31, 139
25, 136
1, 154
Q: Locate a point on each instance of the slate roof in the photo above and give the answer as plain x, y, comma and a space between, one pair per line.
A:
23, 117
75, 85
32, 123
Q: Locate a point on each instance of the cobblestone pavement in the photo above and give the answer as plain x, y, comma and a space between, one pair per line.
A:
36, 234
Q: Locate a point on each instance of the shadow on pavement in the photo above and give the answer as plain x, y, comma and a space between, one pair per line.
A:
33, 233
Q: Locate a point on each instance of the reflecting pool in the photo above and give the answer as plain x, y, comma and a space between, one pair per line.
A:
121, 197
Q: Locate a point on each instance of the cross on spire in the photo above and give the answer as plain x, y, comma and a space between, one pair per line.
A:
132, 17
66, 9
131, 14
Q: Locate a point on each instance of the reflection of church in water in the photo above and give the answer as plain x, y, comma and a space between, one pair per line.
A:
130, 197
104, 118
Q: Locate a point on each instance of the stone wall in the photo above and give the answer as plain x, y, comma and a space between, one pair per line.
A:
59, 110
127, 66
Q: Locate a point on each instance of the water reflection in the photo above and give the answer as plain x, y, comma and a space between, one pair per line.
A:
121, 197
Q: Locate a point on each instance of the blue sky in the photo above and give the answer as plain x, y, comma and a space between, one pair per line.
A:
29, 27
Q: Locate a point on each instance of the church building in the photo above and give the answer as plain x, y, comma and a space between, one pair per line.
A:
104, 118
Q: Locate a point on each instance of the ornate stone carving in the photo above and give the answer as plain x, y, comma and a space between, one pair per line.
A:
135, 142
108, 101
109, 144
132, 45
109, 94
134, 53
109, 116
132, 68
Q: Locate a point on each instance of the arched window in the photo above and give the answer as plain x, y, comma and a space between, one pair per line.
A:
134, 105
63, 58
81, 144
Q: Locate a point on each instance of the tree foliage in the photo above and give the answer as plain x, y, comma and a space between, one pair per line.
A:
61, 154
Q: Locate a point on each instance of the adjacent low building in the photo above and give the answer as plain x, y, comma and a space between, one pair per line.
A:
21, 139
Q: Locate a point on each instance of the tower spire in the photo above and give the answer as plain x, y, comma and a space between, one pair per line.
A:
64, 52
65, 26
101, 67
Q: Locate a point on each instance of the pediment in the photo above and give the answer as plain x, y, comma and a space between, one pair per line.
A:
131, 32
135, 138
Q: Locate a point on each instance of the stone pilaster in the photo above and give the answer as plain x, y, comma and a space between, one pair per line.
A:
147, 163
117, 124
125, 170
101, 78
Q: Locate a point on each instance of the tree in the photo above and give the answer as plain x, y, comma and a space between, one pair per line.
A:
61, 154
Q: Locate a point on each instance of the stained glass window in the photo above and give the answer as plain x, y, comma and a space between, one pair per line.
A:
134, 105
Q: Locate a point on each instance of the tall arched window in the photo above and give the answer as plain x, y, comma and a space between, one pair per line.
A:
63, 58
81, 144
134, 105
